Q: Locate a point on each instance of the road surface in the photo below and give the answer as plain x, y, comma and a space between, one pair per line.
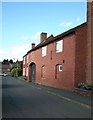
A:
21, 99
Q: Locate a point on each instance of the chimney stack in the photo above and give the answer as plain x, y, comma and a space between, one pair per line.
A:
89, 57
33, 45
43, 36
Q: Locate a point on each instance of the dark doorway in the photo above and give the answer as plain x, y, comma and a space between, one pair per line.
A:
33, 72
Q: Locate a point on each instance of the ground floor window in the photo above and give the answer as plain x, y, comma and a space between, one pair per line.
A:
60, 68
43, 71
58, 71
27, 71
23, 71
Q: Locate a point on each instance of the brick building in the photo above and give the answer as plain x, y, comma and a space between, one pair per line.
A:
58, 61
5, 68
89, 60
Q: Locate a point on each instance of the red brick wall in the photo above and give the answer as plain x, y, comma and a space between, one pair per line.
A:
68, 55
89, 61
80, 56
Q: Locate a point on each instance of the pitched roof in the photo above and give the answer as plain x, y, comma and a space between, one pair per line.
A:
51, 38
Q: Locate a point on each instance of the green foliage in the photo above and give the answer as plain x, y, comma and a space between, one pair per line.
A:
19, 72
85, 86
25, 78
11, 61
15, 72
12, 68
6, 61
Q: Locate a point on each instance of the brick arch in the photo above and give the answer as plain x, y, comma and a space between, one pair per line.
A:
32, 72
56, 70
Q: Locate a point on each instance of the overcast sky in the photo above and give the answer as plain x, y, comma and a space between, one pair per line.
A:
22, 23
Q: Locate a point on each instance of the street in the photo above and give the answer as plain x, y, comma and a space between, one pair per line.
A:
21, 99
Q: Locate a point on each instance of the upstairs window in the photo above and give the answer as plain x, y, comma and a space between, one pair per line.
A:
44, 51
27, 58
23, 71
59, 46
24, 60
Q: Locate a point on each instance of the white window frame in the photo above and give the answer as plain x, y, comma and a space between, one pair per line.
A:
59, 46
44, 51
60, 68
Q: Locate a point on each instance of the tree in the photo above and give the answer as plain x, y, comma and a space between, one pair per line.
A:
13, 72
16, 72
11, 61
5, 61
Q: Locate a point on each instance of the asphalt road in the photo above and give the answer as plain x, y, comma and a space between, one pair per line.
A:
21, 99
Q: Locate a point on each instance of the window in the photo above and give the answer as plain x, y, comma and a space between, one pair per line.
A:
60, 67
59, 46
23, 71
27, 71
51, 55
44, 51
24, 60
43, 71
27, 58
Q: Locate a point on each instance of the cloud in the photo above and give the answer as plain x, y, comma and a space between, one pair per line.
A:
3, 54
30, 39
16, 52
33, 37
65, 24
21, 49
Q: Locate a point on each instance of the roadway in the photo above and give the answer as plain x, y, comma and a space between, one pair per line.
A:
21, 99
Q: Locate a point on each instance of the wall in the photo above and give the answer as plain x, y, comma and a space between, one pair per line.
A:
80, 55
66, 79
89, 57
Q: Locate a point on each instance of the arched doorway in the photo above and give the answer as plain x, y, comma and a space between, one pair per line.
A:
33, 72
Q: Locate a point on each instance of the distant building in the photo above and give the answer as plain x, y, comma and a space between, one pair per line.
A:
17, 64
5, 68
60, 61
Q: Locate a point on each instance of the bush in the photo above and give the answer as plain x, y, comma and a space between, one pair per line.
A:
85, 86
25, 77
15, 72
19, 72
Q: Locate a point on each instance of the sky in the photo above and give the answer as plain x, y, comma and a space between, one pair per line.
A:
23, 22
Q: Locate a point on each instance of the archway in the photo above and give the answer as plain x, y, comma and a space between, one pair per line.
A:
32, 72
